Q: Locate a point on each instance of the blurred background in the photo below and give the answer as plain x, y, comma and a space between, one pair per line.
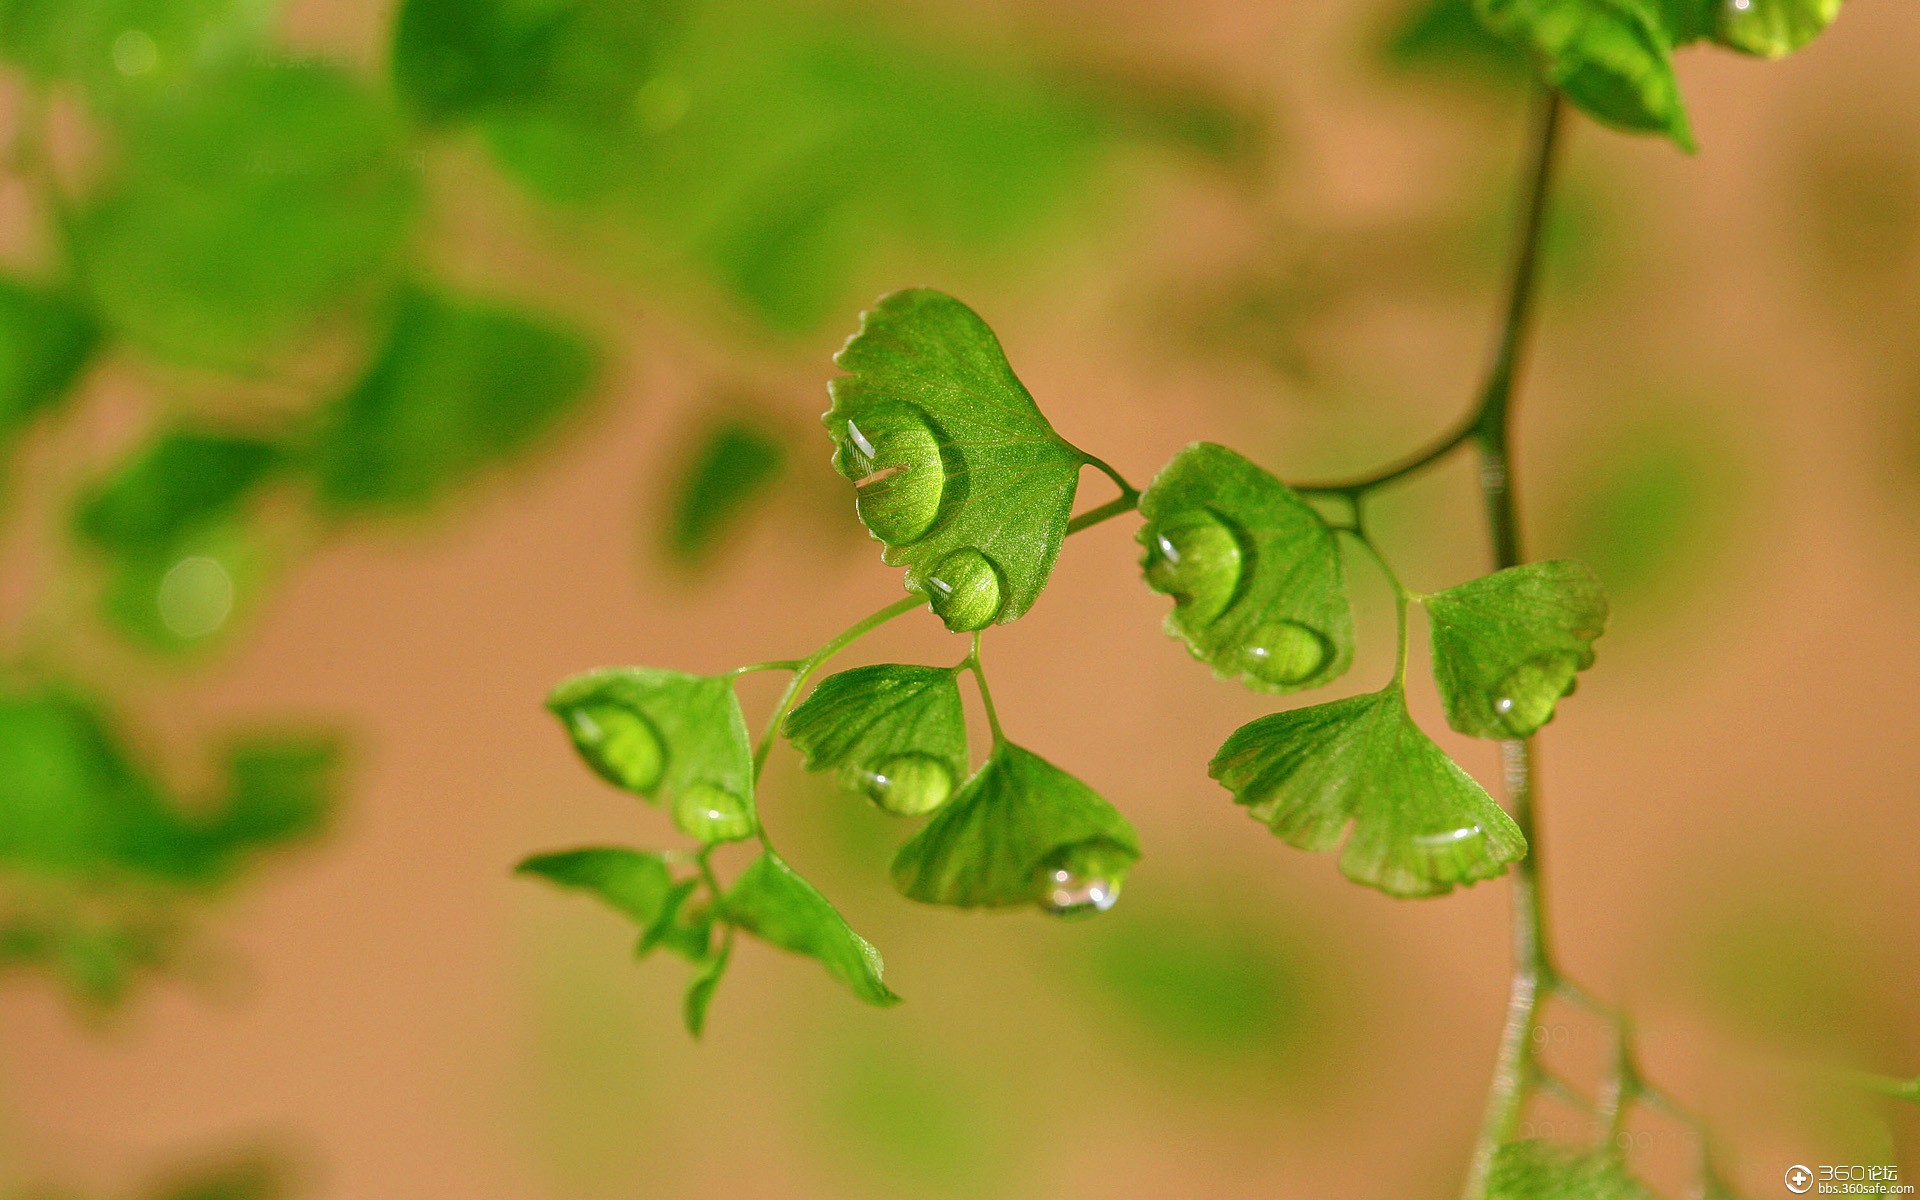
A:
366, 368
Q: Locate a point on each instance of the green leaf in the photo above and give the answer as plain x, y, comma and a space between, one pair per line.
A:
46, 340
1540, 1170
459, 387
1507, 646
1254, 572
125, 49
634, 882
772, 902
767, 151
280, 788
463, 59
1421, 825
244, 1177
959, 475
169, 523
244, 208
80, 804
1612, 58
1771, 28
729, 474
646, 730
683, 930
896, 734
1009, 836
177, 484
1445, 37
700, 992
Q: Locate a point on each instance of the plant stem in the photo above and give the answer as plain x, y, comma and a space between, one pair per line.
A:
986, 695
1128, 492
1126, 502
1490, 429
1402, 598
807, 667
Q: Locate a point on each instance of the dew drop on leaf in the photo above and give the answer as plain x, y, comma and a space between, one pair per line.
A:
711, 814
620, 745
1081, 880
966, 590
908, 785
894, 459
1286, 652
1774, 28
1194, 557
1525, 698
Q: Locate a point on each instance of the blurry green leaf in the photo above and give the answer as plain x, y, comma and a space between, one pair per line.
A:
1612, 58
1157, 108
905, 1117
1012, 830
1538, 1170
958, 473
635, 882
181, 481
461, 59
280, 788
897, 734
79, 803
728, 476
1652, 504
645, 730
1421, 825
458, 387
99, 961
168, 522
1507, 646
251, 1177
46, 339
683, 930
120, 48
773, 147
1445, 36
700, 992
1254, 572
245, 207
770, 901
1210, 984
74, 797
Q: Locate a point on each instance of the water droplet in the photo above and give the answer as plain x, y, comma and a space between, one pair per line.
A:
1194, 557
894, 459
908, 785
1286, 653
966, 590
620, 745
1082, 879
712, 814
1773, 28
134, 53
195, 597
1524, 700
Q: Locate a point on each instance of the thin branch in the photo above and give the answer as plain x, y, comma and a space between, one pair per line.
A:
1531, 964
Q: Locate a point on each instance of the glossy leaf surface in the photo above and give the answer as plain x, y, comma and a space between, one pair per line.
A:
959, 475
1254, 572
1507, 647
1421, 825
